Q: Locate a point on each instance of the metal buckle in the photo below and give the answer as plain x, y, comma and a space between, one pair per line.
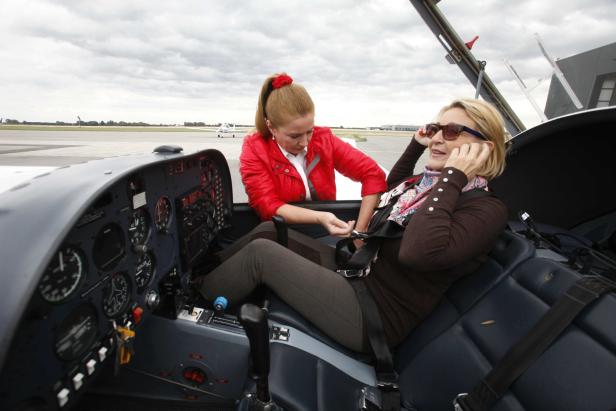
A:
352, 273
456, 401
369, 399
388, 386
359, 235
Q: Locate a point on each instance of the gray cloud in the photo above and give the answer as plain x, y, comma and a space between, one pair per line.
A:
365, 62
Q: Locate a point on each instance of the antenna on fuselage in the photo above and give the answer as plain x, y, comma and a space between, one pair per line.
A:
559, 75
525, 90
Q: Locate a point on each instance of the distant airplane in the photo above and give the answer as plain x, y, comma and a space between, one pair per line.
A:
225, 128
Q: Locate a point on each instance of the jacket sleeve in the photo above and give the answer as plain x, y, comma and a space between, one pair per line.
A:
406, 163
441, 236
357, 166
259, 183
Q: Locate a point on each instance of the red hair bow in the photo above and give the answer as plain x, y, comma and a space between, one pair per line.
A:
281, 81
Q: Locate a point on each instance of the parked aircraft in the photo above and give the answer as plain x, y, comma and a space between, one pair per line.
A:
226, 129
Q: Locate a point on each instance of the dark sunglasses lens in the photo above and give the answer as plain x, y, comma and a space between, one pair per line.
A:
452, 131
431, 129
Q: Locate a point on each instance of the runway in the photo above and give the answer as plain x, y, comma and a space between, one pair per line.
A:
24, 154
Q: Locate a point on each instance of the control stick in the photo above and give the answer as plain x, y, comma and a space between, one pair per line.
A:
254, 321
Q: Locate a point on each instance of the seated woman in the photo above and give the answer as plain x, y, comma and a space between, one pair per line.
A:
289, 159
447, 231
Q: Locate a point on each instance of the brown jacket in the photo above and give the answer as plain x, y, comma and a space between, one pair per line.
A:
448, 237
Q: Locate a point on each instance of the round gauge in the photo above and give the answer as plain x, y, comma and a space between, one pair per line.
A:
109, 247
76, 333
144, 271
62, 276
139, 228
116, 295
162, 214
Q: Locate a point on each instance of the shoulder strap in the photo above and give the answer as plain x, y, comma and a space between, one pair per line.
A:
524, 353
387, 378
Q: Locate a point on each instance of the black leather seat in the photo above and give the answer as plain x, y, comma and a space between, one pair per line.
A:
576, 373
483, 316
509, 251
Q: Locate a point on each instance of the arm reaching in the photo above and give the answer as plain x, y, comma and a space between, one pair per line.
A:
298, 215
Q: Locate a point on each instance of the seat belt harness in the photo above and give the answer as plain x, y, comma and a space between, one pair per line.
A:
530, 347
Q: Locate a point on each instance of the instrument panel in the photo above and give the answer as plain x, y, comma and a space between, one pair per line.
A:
113, 270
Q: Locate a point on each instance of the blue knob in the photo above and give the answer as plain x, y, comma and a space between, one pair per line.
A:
220, 303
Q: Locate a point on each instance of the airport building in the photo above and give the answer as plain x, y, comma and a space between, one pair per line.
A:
398, 127
591, 75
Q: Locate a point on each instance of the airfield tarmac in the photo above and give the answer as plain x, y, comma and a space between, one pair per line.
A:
23, 152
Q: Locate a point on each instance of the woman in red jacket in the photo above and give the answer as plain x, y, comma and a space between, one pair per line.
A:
288, 159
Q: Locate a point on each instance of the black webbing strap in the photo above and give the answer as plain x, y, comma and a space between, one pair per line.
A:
524, 353
387, 378
386, 229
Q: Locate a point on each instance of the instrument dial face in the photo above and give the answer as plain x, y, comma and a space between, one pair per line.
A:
63, 275
144, 271
139, 228
116, 295
162, 214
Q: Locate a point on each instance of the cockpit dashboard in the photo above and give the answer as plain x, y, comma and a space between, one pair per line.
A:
97, 248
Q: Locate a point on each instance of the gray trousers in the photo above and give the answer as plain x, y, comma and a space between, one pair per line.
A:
319, 294
303, 245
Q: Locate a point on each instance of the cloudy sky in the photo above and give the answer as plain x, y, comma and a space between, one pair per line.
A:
364, 62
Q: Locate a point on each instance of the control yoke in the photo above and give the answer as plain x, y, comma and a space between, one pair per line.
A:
254, 321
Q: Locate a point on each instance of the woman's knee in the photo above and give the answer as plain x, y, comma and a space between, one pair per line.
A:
264, 230
261, 247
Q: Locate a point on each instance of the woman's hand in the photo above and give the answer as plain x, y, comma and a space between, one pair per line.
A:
469, 158
421, 138
335, 226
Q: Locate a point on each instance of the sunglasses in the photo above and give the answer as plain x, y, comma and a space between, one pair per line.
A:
451, 131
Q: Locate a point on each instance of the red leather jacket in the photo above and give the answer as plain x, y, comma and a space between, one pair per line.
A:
272, 181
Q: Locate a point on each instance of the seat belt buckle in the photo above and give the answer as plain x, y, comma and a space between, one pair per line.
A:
359, 235
386, 386
355, 273
457, 405
370, 399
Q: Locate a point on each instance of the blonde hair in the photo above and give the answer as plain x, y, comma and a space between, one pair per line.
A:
490, 123
281, 106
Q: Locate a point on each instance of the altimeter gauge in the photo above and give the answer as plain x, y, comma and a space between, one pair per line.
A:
62, 276
139, 229
144, 271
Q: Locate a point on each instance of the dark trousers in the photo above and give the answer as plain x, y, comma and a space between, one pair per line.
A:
301, 244
318, 293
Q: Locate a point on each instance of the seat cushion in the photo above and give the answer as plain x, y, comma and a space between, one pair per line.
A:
508, 252
282, 313
576, 372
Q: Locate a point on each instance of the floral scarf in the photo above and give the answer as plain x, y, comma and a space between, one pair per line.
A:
411, 199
